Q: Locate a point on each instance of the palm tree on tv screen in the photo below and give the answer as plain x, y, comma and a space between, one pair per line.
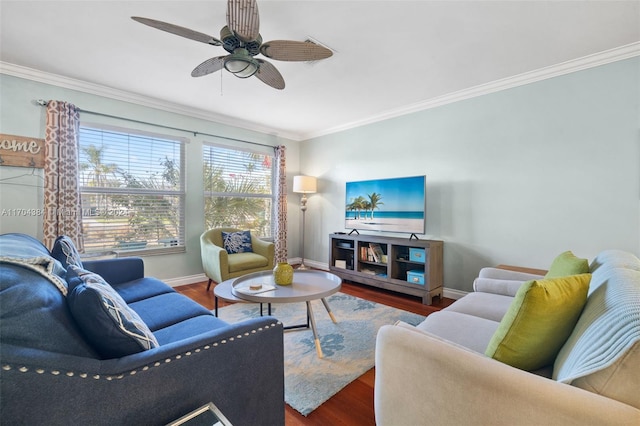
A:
358, 204
374, 202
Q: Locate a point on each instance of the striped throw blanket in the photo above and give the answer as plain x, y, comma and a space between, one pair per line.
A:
46, 266
608, 327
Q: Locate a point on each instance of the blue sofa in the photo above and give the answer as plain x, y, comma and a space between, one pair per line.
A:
52, 372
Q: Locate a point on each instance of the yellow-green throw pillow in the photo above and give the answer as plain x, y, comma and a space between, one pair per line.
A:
539, 320
567, 264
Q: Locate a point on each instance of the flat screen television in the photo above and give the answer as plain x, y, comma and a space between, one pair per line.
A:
391, 205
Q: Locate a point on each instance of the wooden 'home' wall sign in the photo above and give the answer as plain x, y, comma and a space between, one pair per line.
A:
21, 151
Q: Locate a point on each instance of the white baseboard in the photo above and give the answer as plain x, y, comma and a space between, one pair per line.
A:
310, 263
191, 279
452, 293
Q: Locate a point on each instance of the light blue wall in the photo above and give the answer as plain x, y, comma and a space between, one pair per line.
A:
19, 115
513, 177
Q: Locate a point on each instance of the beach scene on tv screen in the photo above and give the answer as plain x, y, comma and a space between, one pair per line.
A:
392, 205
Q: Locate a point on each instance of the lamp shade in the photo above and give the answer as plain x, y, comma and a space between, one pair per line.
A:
304, 184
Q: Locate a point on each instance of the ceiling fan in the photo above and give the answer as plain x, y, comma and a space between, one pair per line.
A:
241, 38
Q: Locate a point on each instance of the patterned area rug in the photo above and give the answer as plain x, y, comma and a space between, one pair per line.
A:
348, 346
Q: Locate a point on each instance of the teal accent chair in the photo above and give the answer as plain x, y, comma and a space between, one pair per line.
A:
220, 266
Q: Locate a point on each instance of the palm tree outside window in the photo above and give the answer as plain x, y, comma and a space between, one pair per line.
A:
239, 189
132, 191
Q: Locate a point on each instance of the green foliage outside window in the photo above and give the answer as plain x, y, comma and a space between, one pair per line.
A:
238, 190
131, 190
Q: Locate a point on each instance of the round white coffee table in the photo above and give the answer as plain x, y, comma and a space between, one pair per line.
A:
306, 286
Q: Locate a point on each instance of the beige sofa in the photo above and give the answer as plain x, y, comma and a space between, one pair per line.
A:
437, 374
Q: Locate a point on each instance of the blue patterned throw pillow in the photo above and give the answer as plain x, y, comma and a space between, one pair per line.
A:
109, 324
237, 242
64, 250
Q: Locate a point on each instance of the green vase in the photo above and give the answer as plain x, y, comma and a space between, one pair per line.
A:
283, 273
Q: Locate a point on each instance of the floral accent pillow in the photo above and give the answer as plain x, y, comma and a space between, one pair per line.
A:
237, 242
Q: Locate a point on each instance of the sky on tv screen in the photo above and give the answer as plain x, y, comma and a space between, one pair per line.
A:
398, 194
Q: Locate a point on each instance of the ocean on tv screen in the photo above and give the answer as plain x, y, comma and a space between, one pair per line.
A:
393, 205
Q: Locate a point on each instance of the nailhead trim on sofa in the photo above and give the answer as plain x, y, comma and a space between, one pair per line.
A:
23, 369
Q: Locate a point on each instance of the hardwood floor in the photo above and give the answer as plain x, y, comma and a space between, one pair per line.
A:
353, 405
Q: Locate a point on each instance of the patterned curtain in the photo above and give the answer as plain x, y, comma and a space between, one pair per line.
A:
280, 233
62, 214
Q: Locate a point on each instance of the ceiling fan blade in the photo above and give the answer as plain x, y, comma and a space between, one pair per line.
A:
268, 74
209, 66
178, 30
288, 50
243, 19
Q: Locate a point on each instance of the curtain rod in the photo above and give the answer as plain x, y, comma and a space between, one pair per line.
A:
43, 103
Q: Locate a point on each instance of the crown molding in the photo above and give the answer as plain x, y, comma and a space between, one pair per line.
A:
586, 62
121, 95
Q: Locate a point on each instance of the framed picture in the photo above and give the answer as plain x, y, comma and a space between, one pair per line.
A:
207, 415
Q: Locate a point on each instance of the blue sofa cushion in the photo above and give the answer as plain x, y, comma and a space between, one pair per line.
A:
237, 242
167, 309
34, 314
140, 289
25, 251
188, 328
108, 323
64, 250
117, 270
22, 246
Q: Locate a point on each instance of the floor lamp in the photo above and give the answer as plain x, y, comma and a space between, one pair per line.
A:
303, 185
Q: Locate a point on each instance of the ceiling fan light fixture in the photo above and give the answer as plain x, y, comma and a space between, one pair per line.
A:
241, 64
241, 38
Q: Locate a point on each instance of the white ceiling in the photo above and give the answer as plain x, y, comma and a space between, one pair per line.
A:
390, 56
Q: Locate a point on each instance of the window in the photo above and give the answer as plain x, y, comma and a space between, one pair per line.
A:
132, 191
238, 189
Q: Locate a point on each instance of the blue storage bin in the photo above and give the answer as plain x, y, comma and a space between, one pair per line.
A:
415, 277
416, 255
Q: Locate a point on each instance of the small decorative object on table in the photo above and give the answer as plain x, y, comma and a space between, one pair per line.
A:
283, 273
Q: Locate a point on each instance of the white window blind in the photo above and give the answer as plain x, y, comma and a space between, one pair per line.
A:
238, 189
132, 191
